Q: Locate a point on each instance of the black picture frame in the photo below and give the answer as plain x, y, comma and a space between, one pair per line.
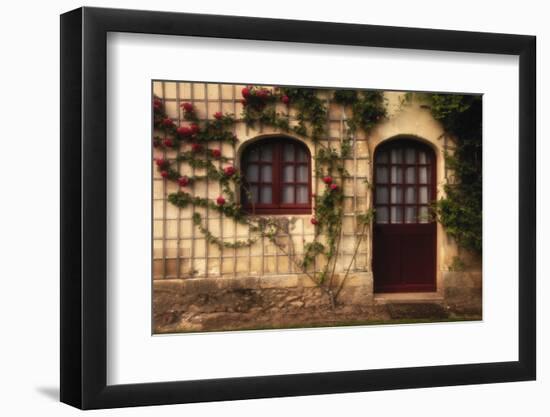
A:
84, 207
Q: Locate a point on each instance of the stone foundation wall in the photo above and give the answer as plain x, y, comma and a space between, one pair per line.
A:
463, 291
200, 304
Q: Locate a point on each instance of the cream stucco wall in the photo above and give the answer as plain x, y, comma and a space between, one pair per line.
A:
180, 250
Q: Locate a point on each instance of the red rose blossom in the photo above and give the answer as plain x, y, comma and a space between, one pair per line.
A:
161, 162
229, 171
195, 147
218, 115
167, 122
327, 180
244, 102
285, 99
314, 221
216, 153
164, 174
188, 107
183, 181
168, 142
333, 187
184, 131
220, 200
195, 128
245, 92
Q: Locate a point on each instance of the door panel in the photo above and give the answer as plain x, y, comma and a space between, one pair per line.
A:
404, 252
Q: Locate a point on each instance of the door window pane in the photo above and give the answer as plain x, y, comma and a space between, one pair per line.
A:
381, 195
382, 215
396, 175
396, 156
410, 195
423, 175
382, 157
423, 195
423, 215
410, 177
381, 175
410, 215
410, 156
397, 214
396, 195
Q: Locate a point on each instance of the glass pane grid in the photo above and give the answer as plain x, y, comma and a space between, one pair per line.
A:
278, 174
403, 185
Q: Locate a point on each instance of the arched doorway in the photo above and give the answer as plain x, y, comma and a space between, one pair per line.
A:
404, 241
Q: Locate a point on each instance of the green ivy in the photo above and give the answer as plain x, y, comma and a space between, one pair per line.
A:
461, 210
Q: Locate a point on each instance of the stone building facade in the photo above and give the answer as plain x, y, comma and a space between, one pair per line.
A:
191, 276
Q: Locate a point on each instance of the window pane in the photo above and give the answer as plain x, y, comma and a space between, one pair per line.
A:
422, 159
397, 214
423, 195
254, 192
302, 154
410, 156
301, 194
423, 215
396, 195
381, 175
382, 215
266, 173
410, 215
252, 173
267, 152
410, 176
288, 194
396, 156
288, 152
382, 157
381, 195
288, 173
266, 195
410, 197
253, 154
396, 175
423, 175
302, 174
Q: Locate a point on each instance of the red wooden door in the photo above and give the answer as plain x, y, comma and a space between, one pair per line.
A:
404, 251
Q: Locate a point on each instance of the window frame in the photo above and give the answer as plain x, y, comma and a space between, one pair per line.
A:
277, 206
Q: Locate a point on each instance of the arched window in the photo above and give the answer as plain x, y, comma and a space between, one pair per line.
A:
277, 177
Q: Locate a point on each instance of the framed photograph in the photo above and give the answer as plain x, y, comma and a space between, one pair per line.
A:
258, 208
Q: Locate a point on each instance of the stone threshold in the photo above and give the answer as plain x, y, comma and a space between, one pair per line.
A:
408, 297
